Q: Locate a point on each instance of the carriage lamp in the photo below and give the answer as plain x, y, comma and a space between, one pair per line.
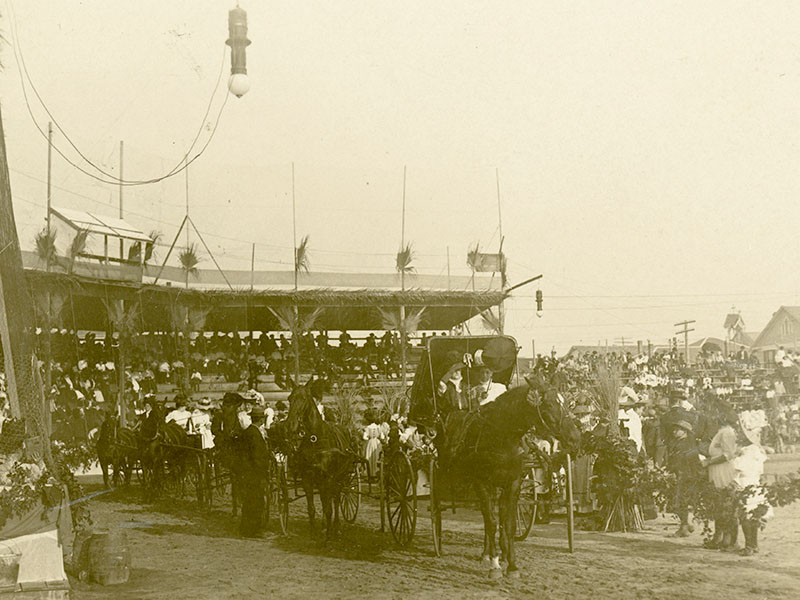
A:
539, 303
238, 84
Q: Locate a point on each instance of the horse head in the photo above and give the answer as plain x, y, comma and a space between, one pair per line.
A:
553, 413
304, 418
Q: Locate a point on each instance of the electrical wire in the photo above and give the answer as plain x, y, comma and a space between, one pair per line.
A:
110, 178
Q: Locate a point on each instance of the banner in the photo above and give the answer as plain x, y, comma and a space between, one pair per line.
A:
489, 263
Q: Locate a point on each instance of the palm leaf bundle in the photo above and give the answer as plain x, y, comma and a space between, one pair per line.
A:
46, 246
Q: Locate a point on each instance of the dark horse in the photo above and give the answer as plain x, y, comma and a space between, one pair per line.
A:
484, 448
117, 447
323, 454
168, 453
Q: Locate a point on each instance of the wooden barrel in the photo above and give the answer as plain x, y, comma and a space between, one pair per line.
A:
109, 557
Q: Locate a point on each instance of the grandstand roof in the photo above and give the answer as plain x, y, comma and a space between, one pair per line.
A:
244, 309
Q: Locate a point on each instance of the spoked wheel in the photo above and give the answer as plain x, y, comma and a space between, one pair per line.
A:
436, 507
351, 495
401, 498
526, 506
282, 498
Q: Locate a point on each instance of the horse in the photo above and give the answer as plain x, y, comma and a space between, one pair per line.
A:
323, 453
484, 448
167, 453
116, 447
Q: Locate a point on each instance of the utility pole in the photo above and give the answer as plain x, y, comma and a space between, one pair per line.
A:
121, 242
685, 331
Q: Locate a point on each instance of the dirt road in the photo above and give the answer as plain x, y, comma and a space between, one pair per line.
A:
180, 552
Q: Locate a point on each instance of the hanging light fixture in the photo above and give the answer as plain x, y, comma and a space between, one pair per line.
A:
238, 84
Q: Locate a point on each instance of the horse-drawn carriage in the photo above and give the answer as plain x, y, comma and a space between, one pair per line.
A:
480, 426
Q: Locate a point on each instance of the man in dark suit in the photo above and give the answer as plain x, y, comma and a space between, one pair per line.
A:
254, 465
680, 428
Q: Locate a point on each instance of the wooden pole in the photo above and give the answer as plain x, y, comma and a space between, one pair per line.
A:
448, 268
501, 307
295, 309
403, 366
570, 516
121, 241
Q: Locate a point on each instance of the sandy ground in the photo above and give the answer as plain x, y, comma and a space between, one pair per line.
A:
181, 552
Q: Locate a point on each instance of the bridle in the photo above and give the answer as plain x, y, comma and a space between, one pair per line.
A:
537, 399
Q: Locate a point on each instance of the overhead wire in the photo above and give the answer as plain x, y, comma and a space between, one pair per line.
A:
110, 178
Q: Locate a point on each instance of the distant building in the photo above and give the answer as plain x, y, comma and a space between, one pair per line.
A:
782, 330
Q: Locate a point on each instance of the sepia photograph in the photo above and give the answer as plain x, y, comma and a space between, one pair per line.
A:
447, 300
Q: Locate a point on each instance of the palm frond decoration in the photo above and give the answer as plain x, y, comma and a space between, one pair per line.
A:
186, 318
301, 256
392, 402
76, 247
46, 246
291, 320
491, 321
135, 252
48, 306
197, 318
125, 321
405, 256
346, 406
391, 320
472, 256
150, 247
189, 260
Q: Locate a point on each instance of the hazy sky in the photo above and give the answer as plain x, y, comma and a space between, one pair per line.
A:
647, 151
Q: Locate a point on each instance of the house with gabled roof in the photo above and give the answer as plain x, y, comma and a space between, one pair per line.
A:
783, 330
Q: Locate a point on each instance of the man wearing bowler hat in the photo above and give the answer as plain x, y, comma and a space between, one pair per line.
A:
678, 425
254, 467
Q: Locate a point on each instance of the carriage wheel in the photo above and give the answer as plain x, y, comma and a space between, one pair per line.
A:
526, 506
350, 497
401, 498
282, 499
436, 508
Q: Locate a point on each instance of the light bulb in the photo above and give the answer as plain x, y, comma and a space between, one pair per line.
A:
238, 84
539, 313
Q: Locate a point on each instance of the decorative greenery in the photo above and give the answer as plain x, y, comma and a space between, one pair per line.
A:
405, 256
76, 247
23, 488
624, 481
150, 247
301, 256
189, 260
46, 246
392, 321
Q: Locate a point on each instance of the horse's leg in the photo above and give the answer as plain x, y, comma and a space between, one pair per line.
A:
327, 508
308, 488
103, 460
337, 500
486, 497
509, 526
